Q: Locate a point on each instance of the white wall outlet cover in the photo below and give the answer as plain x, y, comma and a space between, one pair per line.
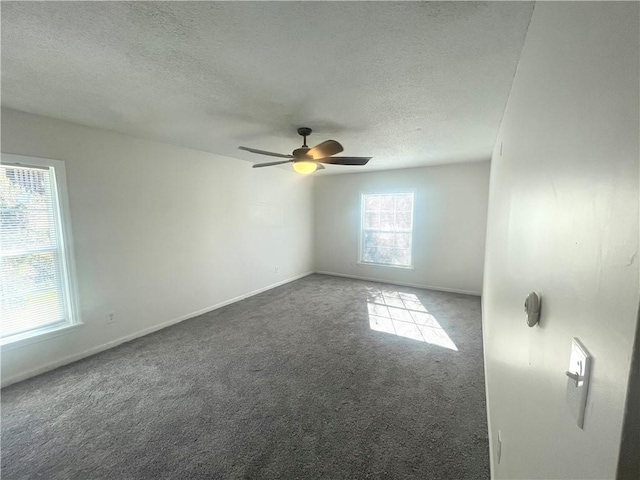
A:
578, 380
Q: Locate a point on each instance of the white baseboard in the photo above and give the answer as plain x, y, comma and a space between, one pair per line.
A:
141, 333
403, 284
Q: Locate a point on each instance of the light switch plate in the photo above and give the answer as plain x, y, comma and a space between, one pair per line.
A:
578, 380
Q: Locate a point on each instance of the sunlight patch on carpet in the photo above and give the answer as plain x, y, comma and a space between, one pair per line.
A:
403, 314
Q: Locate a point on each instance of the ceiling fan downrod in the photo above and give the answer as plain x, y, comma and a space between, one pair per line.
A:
304, 132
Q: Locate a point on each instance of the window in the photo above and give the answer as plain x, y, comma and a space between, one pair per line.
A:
387, 229
36, 291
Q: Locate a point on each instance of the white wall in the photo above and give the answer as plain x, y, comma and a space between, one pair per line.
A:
563, 220
160, 231
450, 216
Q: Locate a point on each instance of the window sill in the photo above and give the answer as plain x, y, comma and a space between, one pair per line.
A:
400, 267
39, 335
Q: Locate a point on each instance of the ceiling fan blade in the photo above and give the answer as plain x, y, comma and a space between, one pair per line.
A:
325, 149
263, 152
344, 160
269, 164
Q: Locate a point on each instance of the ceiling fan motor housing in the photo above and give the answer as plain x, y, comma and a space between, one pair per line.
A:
301, 153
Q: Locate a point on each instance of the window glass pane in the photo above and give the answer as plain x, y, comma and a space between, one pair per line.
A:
369, 239
387, 221
387, 203
30, 293
29, 273
379, 239
372, 202
384, 239
32, 287
383, 255
387, 232
26, 209
404, 203
401, 256
403, 221
369, 254
403, 240
372, 220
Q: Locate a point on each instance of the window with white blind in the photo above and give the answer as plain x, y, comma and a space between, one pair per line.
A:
36, 290
387, 229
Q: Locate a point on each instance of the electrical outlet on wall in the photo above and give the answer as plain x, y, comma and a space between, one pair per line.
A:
276, 269
111, 317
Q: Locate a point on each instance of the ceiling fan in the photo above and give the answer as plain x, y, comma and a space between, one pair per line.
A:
307, 160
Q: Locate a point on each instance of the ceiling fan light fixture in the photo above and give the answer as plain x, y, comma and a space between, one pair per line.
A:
305, 167
307, 160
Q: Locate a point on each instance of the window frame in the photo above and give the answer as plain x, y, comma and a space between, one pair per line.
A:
62, 222
399, 191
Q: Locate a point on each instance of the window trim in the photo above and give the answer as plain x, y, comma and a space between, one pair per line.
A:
62, 218
398, 191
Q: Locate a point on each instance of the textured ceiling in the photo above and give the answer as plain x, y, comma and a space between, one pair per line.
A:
409, 83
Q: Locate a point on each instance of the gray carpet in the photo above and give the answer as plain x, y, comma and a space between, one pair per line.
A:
291, 383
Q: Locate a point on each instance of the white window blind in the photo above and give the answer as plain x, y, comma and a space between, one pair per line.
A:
34, 283
387, 229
